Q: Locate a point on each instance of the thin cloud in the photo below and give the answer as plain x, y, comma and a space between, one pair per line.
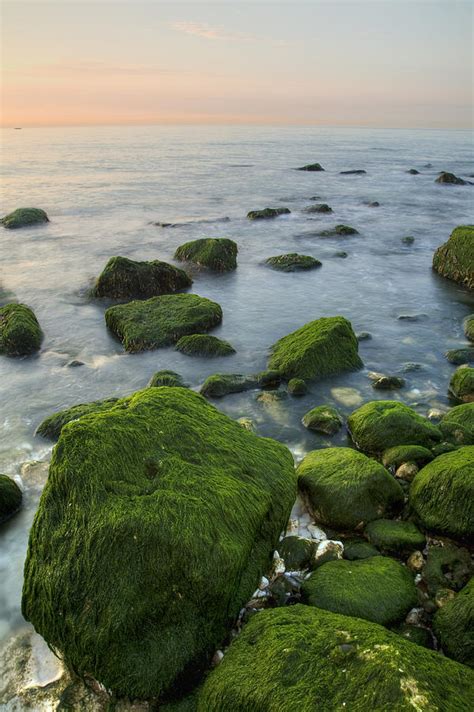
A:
209, 32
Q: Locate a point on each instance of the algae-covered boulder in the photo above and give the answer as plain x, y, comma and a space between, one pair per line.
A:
455, 258
400, 454
318, 208
24, 217
378, 589
357, 172
123, 278
10, 497
379, 425
469, 327
442, 494
296, 552
51, 426
355, 549
449, 178
454, 626
345, 489
267, 213
20, 333
395, 536
306, 658
447, 567
297, 387
217, 254
323, 347
157, 521
460, 356
458, 424
166, 378
161, 321
322, 419
338, 231
204, 345
312, 167
221, 384
292, 262
461, 385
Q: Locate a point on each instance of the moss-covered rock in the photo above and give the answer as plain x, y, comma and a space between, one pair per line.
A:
123, 278
322, 419
461, 385
161, 321
442, 494
204, 345
417, 634
20, 333
221, 384
388, 383
267, 213
51, 426
447, 567
469, 327
449, 178
157, 520
318, 208
323, 347
292, 262
10, 497
357, 172
166, 378
455, 258
460, 356
24, 217
338, 231
398, 455
395, 536
269, 379
454, 626
379, 425
345, 489
312, 167
296, 552
458, 424
297, 387
355, 549
309, 659
217, 254
378, 589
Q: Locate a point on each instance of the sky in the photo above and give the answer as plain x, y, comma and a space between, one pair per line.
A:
377, 63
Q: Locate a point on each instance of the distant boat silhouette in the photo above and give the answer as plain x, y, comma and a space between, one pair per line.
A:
18, 128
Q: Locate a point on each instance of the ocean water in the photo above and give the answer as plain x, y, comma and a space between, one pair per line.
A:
103, 188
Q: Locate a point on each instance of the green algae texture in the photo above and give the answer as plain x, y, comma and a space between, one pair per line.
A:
166, 378
469, 327
321, 348
311, 660
442, 494
20, 333
455, 258
398, 455
322, 419
395, 536
379, 425
345, 489
378, 589
51, 426
221, 384
266, 213
217, 254
23, 217
311, 167
204, 345
458, 424
157, 521
454, 626
10, 497
461, 385
292, 262
123, 278
161, 321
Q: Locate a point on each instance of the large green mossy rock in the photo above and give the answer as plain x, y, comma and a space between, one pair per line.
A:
323, 347
395, 536
305, 658
217, 254
51, 426
20, 333
469, 327
123, 278
204, 345
10, 497
460, 356
442, 494
23, 217
461, 385
454, 626
161, 321
157, 521
458, 424
379, 425
292, 262
344, 489
378, 589
455, 258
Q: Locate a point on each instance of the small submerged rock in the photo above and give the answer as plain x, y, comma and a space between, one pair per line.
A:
323, 419
221, 384
297, 387
358, 172
292, 262
267, 213
24, 217
363, 336
311, 167
413, 172
319, 208
449, 178
339, 231
388, 383
408, 240
204, 345
374, 204
468, 325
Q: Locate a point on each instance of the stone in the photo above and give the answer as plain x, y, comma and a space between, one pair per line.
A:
311, 167
20, 332
468, 326
401, 454
449, 178
415, 562
221, 384
292, 262
296, 552
408, 240
297, 387
339, 230
394, 536
322, 419
385, 383
447, 566
123, 278
24, 217
407, 471
51, 426
358, 172
461, 385
455, 258
460, 356
355, 549
10, 497
318, 208
454, 626
217, 254
267, 213
204, 345
166, 378
413, 172
457, 425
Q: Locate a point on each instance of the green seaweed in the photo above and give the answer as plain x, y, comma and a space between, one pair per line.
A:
398, 455
266, 213
322, 419
297, 387
51, 426
204, 345
221, 384
458, 424
454, 626
10, 497
217, 254
292, 262
123, 278
455, 258
468, 326
461, 385
20, 333
166, 378
23, 217
395, 536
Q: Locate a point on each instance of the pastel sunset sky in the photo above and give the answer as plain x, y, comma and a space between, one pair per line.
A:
394, 63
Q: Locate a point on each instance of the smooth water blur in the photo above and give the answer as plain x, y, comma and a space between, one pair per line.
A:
103, 188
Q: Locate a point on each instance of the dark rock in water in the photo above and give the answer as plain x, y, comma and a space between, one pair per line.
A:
302, 657
461, 385
321, 348
469, 327
311, 167
292, 262
297, 387
410, 366
155, 523
296, 552
163, 224
123, 278
374, 204
171, 379
219, 255
359, 172
341, 253
323, 419
408, 240
221, 384
319, 208
267, 213
269, 379
20, 333
388, 383
75, 364
51, 426
457, 425
394, 536
204, 345
449, 178
453, 625
412, 317
315, 197
428, 165
339, 230
24, 217
10, 497
363, 336
460, 356
161, 321
413, 172
455, 259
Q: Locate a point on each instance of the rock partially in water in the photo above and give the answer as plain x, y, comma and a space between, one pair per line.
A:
51, 426
442, 494
123, 278
412, 317
267, 213
319, 208
302, 657
395, 536
20, 332
374, 204
347, 396
400, 454
338, 231
161, 321
204, 345
413, 172
166, 378
450, 179
24, 217
10, 497
345, 490
221, 384
458, 424
408, 240
297, 387
292, 262
388, 383
469, 327
296, 552
460, 356
311, 167
358, 172
217, 254
323, 419
150, 510
455, 258
363, 336
461, 385
454, 626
